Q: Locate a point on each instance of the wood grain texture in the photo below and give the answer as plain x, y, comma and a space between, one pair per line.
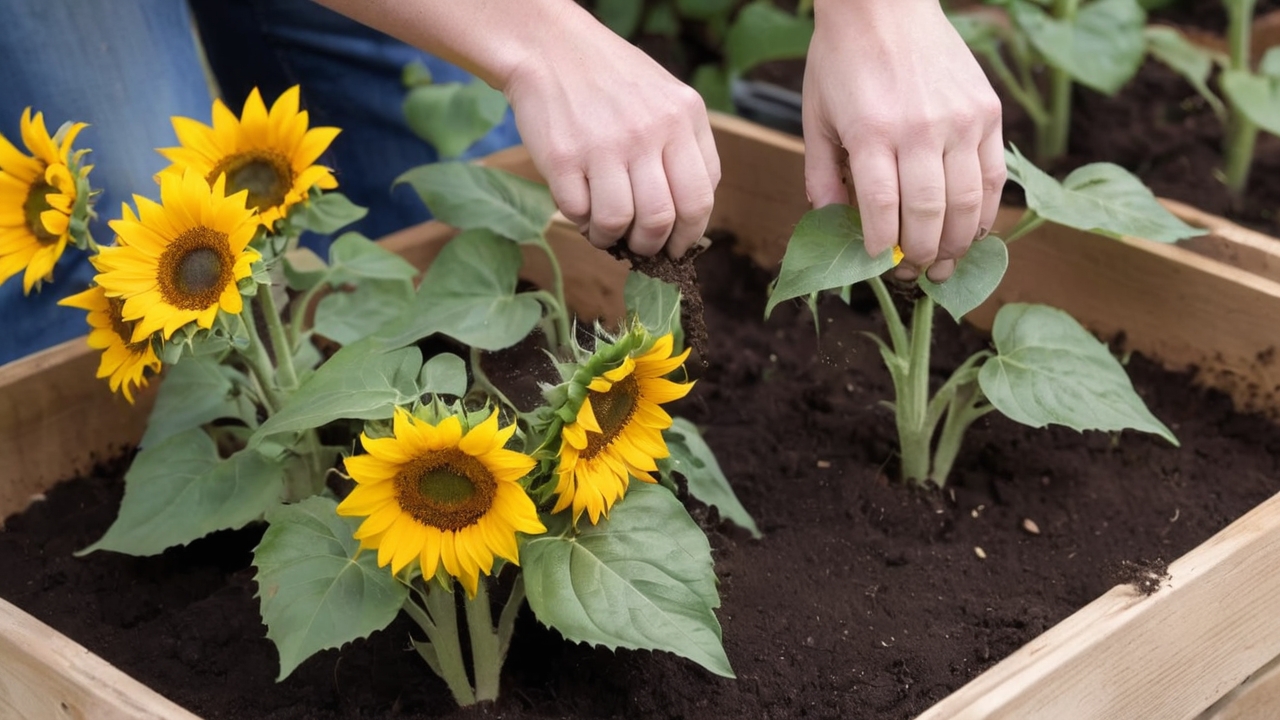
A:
45, 676
1258, 698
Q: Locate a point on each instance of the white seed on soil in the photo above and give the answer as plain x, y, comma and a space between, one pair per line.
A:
1030, 526
824, 464
982, 554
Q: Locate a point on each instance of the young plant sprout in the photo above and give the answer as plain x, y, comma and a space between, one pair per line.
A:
1044, 368
1252, 97
1097, 43
445, 487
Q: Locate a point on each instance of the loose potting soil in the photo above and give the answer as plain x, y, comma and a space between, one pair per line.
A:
864, 599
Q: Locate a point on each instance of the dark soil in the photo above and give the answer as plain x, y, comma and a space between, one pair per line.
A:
684, 275
863, 600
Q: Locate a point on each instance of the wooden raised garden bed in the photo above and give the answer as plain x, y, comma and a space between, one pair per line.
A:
1186, 650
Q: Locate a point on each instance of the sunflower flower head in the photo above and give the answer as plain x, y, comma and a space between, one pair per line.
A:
613, 421
181, 260
43, 200
269, 154
444, 495
124, 362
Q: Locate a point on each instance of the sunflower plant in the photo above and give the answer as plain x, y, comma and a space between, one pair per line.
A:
1044, 368
352, 411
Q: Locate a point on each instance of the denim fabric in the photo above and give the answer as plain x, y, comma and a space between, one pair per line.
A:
126, 66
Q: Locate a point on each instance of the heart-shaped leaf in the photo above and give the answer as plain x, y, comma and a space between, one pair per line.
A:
977, 275
469, 197
454, 116
1101, 48
763, 32
826, 251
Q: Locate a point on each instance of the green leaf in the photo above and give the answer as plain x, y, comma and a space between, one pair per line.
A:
362, 381
354, 257
763, 32
195, 391
826, 251
347, 316
303, 269
179, 491
1270, 63
1103, 48
692, 458
1049, 369
414, 74
704, 9
979, 32
1256, 96
444, 374
620, 16
327, 214
977, 275
469, 294
1099, 197
642, 579
453, 116
662, 20
317, 589
655, 303
471, 197
712, 83
1184, 57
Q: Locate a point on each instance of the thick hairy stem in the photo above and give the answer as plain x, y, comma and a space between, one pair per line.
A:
440, 622
914, 429
486, 646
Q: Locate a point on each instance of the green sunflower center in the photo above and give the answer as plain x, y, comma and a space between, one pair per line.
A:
613, 410
267, 175
35, 204
124, 328
449, 490
195, 269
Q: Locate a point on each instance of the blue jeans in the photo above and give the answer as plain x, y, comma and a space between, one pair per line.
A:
127, 66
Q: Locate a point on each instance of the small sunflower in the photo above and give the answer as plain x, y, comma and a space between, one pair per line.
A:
440, 496
270, 154
617, 433
124, 361
37, 195
179, 261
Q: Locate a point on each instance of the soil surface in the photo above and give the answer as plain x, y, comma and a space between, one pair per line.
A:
864, 599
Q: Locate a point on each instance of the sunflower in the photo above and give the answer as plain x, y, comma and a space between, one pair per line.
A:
440, 496
37, 194
617, 433
124, 361
270, 154
179, 261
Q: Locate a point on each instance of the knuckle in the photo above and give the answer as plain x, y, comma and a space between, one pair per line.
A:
658, 221
696, 207
929, 205
966, 202
880, 199
611, 223
993, 178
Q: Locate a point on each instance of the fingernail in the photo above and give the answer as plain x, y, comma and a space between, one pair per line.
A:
906, 273
982, 232
941, 270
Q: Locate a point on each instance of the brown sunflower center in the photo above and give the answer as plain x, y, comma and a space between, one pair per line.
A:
267, 176
36, 203
449, 490
613, 410
195, 269
124, 328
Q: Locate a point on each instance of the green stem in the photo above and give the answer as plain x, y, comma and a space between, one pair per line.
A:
259, 362
914, 432
1053, 142
486, 648
1028, 222
298, 314
442, 630
1242, 133
964, 409
507, 620
897, 331
279, 340
560, 311
485, 383
1027, 96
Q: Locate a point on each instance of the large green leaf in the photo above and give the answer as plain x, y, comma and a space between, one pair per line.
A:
1049, 369
453, 116
362, 381
444, 374
1191, 61
656, 304
470, 197
469, 294
196, 390
692, 458
1256, 96
1099, 197
977, 275
179, 491
826, 251
764, 32
354, 257
642, 579
347, 316
712, 83
1103, 48
317, 589
327, 213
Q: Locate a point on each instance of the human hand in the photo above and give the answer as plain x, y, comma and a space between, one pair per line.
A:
893, 86
625, 147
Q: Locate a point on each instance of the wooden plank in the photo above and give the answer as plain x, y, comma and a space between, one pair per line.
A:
1258, 697
1168, 656
45, 676
1230, 243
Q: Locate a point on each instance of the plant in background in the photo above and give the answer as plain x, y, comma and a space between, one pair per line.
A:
1252, 98
1097, 43
1044, 369
445, 486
